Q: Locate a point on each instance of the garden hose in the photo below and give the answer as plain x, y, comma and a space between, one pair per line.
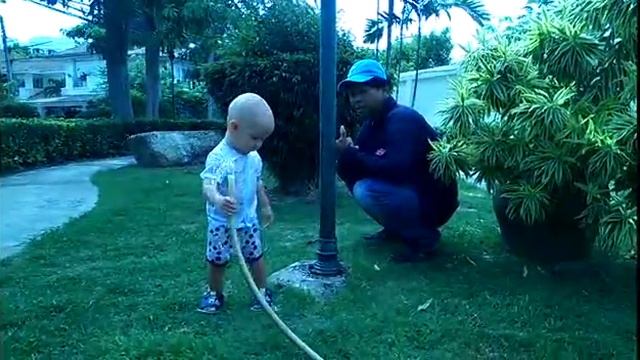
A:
254, 288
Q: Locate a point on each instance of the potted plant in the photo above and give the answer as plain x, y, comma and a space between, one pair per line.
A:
545, 115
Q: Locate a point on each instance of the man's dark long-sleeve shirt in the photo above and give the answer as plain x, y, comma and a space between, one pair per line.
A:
393, 147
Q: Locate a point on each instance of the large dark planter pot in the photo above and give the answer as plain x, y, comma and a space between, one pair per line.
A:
559, 238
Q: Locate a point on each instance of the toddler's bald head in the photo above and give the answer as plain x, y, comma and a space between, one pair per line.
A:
249, 121
250, 109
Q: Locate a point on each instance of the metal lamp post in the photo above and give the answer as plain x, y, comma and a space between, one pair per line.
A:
327, 263
6, 50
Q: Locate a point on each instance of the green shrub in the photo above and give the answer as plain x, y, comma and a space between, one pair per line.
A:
190, 104
550, 109
277, 57
36, 142
14, 109
96, 109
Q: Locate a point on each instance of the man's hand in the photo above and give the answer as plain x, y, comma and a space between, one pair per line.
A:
343, 141
267, 216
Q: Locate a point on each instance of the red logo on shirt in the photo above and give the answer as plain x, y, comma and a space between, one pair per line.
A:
380, 152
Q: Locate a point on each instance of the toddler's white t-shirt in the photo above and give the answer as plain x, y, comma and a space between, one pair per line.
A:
224, 160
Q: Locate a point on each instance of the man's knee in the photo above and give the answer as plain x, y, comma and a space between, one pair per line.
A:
372, 197
384, 200
375, 195
362, 191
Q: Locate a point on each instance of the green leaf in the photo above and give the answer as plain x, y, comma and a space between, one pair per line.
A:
609, 160
618, 228
461, 111
552, 165
448, 159
527, 202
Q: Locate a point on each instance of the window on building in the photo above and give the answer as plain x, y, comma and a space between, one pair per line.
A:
20, 81
38, 82
60, 82
81, 81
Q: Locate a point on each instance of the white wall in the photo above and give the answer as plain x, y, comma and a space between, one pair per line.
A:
434, 86
44, 67
95, 70
92, 65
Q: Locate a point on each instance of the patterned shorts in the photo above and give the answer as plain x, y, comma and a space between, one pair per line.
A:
220, 245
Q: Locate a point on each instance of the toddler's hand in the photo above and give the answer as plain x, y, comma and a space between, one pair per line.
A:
267, 216
228, 205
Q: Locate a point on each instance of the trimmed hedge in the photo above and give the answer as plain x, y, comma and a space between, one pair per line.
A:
26, 143
14, 109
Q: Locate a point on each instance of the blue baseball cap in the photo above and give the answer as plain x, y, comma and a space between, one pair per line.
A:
363, 71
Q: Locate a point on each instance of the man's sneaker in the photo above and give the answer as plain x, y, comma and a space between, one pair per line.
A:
268, 297
211, 302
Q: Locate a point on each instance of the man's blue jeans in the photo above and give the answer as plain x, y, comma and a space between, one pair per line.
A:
397, 210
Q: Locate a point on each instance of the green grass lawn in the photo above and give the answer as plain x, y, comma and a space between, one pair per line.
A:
123, 282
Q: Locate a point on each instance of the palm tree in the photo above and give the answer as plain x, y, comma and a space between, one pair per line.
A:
390, 23
405, 21
373, 33
425, 9
376, 28
378, 19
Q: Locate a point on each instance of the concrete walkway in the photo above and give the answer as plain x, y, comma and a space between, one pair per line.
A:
35, 201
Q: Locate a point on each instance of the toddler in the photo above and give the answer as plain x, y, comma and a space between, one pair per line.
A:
249, 123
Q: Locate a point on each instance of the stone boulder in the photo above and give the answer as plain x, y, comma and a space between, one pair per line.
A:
172, 148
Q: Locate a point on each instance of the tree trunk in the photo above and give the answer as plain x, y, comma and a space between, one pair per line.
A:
399, 65
377, 38
399, 57
389, 28
152, 79
210, 103
116, 23
172, 57
5, 49
152, 82
417, 64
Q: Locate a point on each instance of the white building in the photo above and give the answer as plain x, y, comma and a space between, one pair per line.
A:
55, 81
434, 86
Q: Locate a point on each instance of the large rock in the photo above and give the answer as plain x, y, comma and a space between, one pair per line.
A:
173, 148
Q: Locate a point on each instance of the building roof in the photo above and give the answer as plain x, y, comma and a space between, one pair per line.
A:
76, 50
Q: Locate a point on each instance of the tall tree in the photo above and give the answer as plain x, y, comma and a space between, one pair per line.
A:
173, 25
115, 16
390, 23
209, 23
150, 15
165, 26
143, 32
405, 21
378, 39
425, 9
375, 29
373, 33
